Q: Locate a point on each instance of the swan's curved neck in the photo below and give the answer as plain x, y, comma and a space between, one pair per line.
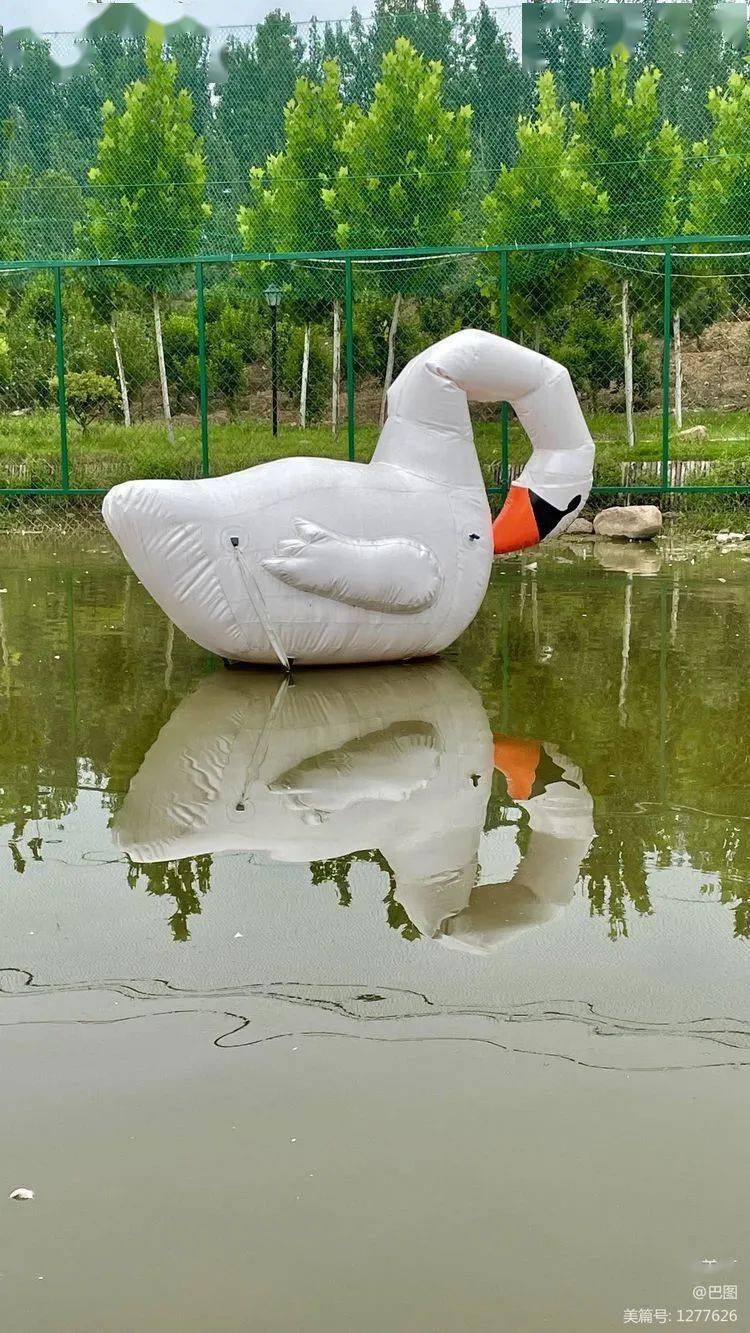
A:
441, 455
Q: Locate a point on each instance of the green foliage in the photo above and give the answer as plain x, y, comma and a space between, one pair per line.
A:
405, 161
260, 78
137, 342
27, 366
493, 82
180, 334
587, 338
286, 209
707, 61
225, 370
319, 369
235, 318
548, 194
12, 190
337, 869
36, 304
148, 185
49, 118
633, 156
88, 395
720, 185
373, 322
186, 881
701, 301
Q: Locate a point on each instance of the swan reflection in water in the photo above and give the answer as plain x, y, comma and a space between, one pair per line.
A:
399, 759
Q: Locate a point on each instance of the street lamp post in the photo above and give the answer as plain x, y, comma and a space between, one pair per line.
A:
273, 299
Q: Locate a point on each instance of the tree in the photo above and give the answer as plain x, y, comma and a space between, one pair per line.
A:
706, 63
498, 89
148, 187
286, 209
190, 49
260, 80
657, 50
88, 395
422, 23
405, 167
547, 195
635, 159
12, 189
186, 881
36, 100
566, 47
52, 208
719, 189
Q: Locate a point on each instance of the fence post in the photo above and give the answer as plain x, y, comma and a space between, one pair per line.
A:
201, 304
349, 316
666, 368
504, 334
61, 404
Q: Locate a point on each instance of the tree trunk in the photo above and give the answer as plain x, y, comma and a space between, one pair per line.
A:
677, 371
305, 373
162, 370
537, 336
121, 373
625, 661
168, 662
627, 355
675, 608
4, 649
391, 356
336, 377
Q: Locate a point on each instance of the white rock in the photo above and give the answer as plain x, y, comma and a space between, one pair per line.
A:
693, 433
636, 522
642, 558
22, 1194
580, 527
732, 537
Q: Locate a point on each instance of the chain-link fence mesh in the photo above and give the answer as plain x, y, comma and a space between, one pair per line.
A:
534, 125
207, 367
393, 130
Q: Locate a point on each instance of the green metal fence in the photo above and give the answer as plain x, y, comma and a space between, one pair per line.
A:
656, 332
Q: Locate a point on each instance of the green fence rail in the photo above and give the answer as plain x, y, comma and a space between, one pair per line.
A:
651, 328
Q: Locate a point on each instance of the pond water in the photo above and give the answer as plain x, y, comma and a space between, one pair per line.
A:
410, 997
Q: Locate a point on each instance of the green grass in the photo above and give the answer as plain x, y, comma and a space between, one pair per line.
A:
108, 452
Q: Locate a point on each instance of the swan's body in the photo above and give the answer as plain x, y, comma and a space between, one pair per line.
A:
399, 760
319, 561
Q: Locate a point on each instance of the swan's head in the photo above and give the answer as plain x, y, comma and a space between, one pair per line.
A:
527, 518
494, 913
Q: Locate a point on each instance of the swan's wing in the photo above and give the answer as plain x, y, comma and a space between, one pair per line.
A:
387, 765
395, 574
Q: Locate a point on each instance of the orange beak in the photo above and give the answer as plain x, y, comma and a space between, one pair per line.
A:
515, 526
517, 760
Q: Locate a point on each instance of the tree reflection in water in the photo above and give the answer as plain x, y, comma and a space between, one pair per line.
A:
659, 723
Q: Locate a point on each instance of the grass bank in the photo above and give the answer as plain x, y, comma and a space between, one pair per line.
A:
108, 452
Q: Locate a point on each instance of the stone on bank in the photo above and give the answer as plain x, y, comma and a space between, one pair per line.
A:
636, 523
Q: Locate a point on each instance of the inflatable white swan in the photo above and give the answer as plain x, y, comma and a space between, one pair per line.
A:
311, 560
400, 760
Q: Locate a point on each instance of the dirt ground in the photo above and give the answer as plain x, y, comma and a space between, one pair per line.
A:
716, 367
